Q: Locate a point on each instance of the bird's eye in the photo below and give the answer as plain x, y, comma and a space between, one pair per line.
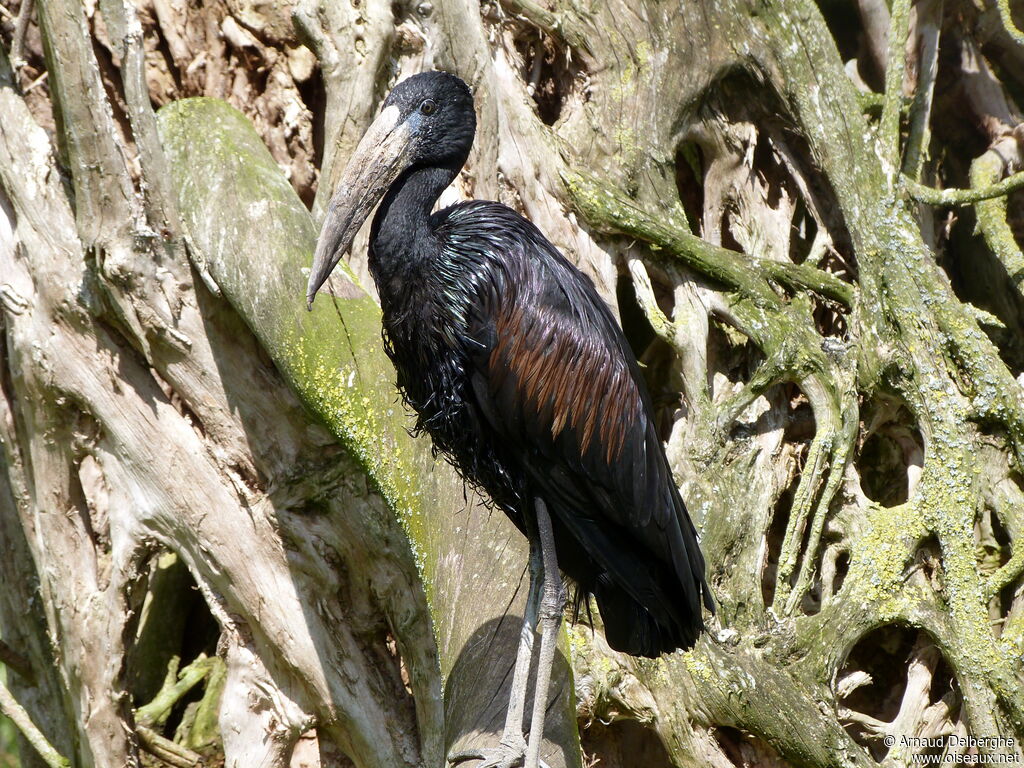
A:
428, 107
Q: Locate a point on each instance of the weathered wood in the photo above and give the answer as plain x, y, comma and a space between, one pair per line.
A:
721, 157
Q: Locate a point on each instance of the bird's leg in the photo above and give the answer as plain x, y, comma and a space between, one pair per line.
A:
513, 733
552, 603
512, 749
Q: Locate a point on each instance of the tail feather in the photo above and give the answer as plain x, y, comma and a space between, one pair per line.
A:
648, 606
629, 627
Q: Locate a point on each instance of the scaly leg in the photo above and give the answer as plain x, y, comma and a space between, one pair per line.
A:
512, 747
513, 732
552, 604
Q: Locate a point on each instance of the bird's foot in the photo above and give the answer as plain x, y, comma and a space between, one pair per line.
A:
508, 754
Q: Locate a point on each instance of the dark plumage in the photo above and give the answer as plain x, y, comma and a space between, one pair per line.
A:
521, 376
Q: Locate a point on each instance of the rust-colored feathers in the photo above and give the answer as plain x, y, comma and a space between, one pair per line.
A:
517, 369
569, 381
523, 378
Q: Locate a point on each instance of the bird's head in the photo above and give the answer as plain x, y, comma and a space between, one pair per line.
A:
427, 120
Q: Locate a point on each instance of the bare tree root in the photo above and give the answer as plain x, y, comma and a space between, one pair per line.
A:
779, 234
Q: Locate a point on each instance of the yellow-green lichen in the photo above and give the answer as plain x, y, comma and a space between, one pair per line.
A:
357, 421
877, 569
698, 667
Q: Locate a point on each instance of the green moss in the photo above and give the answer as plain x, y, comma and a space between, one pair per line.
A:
205, 730
256, 239
609, 210
365, 430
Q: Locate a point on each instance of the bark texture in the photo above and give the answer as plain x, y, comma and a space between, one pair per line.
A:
221, 543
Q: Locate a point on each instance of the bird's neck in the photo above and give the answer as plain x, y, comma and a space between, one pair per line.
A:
402, 234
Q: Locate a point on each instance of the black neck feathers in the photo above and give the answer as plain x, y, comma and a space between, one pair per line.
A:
402, 236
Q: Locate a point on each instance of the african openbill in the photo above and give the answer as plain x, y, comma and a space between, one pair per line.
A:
520, 374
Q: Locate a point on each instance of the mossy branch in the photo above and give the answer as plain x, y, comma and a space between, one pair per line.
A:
663, 327
176, 685
808, 278
771, 371
985, 171
781, 330
842, 443
819, 459
10, 707
205, 727
609, 210
1007, 574
889, 129
958, 197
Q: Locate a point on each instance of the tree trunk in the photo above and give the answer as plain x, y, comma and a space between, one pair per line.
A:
223, 543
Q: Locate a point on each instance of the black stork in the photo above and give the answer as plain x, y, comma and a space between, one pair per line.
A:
524, 381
